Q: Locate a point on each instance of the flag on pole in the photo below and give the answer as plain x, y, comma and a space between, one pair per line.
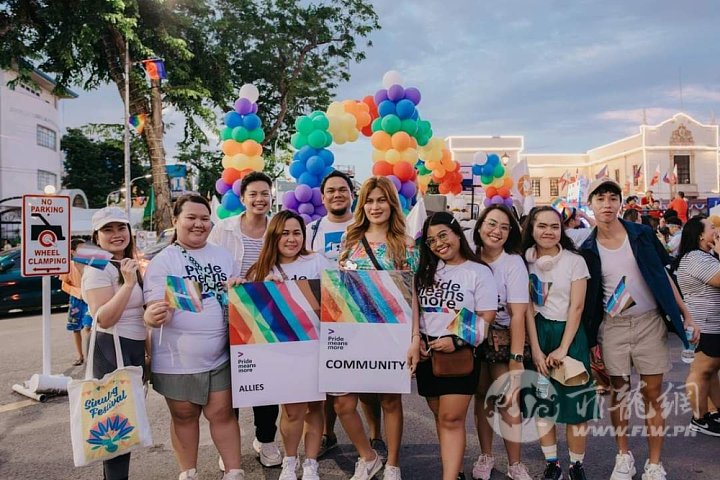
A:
674, 176
138, 122
656, 177
155, 68
564, 180
602, 173
638, 173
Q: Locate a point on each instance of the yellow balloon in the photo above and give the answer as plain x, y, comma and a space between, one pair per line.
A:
409, 155
378, 155
227, 161
392, 156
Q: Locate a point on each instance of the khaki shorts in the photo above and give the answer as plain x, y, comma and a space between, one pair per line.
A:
639, 341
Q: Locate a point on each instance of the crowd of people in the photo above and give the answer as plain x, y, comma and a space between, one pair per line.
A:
549, 296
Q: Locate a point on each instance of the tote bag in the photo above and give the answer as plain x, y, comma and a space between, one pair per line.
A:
107, 415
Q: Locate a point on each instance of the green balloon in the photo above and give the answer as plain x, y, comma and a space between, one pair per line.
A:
499, 171
321, 122
298, 140
226, 133
486, 179
316, 139
240, 134
376, 125
258, 135
422, 139
317, 113
423, 170
328, 139
222, 212
424, 126
304, 125
409, 126
391, 124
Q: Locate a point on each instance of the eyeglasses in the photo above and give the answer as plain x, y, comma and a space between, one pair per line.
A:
441, 237
492, 225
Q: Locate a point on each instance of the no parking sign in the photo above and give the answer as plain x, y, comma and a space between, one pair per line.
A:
46, 235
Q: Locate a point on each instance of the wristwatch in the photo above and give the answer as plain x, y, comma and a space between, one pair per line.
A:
518, 357
458, 342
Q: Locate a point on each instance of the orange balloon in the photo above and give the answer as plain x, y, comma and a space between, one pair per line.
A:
490, 192
231, 147
508, 182
382, 169
503, 192
456, 188
400, 141
381, 140
403, 171
251, 148
229, 175
444, 188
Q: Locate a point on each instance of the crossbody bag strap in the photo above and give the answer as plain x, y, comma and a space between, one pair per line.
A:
370, 254
282, 272
315, 228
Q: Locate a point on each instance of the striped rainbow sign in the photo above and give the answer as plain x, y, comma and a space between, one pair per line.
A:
366, 296
274, 312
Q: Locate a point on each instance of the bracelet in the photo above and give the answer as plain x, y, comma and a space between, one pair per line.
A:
417, 334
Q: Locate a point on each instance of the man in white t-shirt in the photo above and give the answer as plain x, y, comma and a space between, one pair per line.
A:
628, 296
323, 235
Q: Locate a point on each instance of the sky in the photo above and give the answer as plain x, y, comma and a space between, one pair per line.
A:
567, 75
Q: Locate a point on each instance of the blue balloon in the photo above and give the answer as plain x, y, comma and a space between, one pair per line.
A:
297, 168
251, 121
306, 152
387, 107
403, 202
405, 109
315, 165
230, 201
233, 119
327, 156
309, 179
327, 171
415, 115
493, 159
477, 169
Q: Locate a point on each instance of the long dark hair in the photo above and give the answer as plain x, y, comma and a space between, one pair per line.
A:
512, 244
181, 201
527, 236
270, 253
690, 239
425, 276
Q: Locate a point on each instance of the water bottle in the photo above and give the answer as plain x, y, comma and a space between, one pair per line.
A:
688, 354
543, 387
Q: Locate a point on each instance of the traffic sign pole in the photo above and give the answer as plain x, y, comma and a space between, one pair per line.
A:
46, 307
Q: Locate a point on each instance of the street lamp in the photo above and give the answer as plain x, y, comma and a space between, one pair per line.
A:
505, 159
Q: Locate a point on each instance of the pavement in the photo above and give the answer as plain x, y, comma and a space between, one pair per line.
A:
35, 437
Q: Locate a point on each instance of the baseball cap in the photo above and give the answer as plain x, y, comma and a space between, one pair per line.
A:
607, 182
108, 215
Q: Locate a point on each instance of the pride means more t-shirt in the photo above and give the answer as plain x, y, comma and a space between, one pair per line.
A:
468, 285
305, 267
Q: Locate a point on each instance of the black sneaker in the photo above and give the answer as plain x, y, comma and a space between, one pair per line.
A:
326, 444
379, 446
577, 472
461, 476
705, 425
714, 416
553, 471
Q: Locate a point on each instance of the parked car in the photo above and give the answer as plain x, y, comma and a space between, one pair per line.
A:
147, 253
21, 294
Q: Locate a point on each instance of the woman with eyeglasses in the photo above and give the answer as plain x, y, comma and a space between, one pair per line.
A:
497, 237
449, 279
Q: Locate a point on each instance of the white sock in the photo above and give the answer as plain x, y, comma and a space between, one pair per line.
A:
576, 457
550, 453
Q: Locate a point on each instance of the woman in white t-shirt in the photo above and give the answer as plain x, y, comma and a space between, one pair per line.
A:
450, 279
558, 280
497, 237
115, 301
190, 355
284, 257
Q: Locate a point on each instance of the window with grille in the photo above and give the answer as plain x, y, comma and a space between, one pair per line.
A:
45, 178
617, 175
683, 168
46, 137
554, 190
535, 182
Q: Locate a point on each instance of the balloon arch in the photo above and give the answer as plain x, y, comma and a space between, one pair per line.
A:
404, 149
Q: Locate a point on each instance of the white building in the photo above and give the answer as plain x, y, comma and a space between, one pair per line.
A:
678, 141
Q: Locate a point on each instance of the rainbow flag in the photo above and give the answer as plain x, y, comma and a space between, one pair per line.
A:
539, 290
92, 256
138, 122
468, 326
620, 300
366, 296
271, 312
183, 294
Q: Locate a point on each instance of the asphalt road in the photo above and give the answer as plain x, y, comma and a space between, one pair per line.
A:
35, 438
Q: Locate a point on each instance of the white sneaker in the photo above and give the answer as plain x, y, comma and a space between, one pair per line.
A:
289, 465
234, 474
188, 475
367, 470
518, 471
654, 471
391, 473
269, 453
310, 469
482, 469
624, 467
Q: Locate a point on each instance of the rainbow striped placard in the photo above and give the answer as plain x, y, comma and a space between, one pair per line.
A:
468, 326
273, 312
366, 296
92, 256
539, 290
620, 300
183, 294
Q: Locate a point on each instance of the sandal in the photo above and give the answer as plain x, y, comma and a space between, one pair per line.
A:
79, 362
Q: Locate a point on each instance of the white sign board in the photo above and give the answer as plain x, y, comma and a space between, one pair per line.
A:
46, 235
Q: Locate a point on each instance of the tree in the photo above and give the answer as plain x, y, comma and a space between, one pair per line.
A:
295, 52
94, 160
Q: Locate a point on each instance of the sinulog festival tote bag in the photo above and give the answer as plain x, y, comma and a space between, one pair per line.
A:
107, 415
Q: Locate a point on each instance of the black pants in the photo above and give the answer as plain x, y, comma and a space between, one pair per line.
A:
133, 352
264, 418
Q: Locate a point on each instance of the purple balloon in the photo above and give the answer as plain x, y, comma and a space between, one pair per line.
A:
380, 96
396, 93
289, 201
396, 181
315, 216
254, 108
487, 202
306, 218
413, 94
508, 202
320, 211
303, 193
497, 200
243, 106
316, 196
236, 187
408, 189
221, 186
306, 208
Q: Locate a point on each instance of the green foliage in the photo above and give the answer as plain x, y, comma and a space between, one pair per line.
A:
94, 161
